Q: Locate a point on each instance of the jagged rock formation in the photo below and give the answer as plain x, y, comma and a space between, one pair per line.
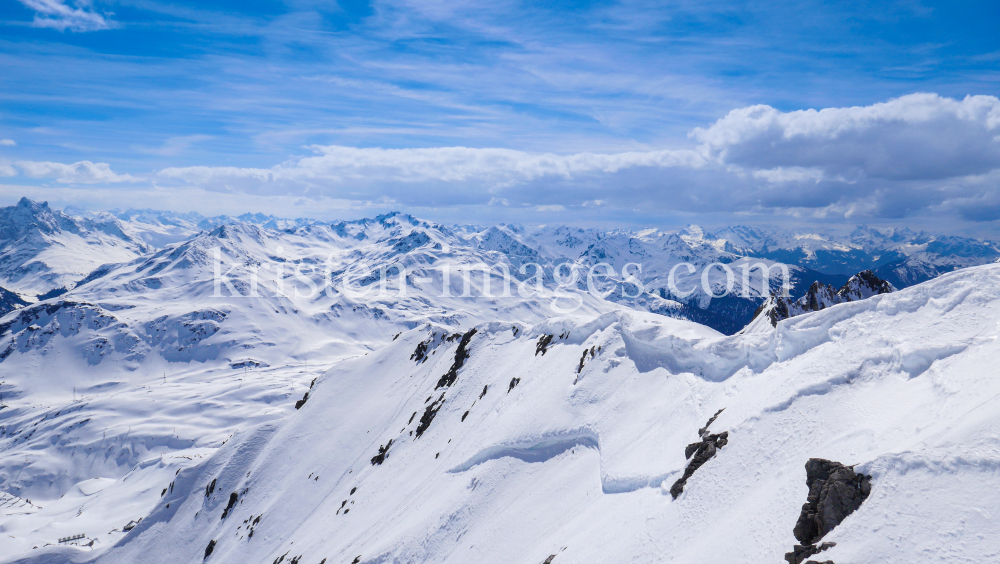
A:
801, 552
861, 286
835, 491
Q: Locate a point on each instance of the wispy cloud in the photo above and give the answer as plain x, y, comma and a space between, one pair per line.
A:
7, 142
173, 146
58, 14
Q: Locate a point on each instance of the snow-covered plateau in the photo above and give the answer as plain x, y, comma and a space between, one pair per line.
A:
148, 417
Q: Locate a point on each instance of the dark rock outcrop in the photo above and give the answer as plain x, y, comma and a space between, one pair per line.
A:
209, 549
428, 416
420, 354
835, 491
801, 552
699, 453
383, 453
543, 344
461, 355
233, 498
301, 402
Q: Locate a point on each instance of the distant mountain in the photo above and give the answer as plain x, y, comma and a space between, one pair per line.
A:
820, 296
42, 249
901, 256
9, 301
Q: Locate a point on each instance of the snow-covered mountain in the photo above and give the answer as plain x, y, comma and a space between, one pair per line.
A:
154, 386
160, 228
43, 249
861, 286
160, 358
898, 255
10, 301
622, 437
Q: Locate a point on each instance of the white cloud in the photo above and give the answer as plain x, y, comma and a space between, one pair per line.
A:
7, 142
915, 137
336, 165
7, 170
57, 14
920, 154
83, 172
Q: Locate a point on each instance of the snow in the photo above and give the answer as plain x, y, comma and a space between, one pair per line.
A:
42, 249
134, 393
579, 464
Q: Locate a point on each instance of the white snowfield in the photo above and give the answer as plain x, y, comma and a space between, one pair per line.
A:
529, 456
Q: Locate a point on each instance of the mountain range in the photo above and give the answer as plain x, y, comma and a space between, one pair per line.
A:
267, 390
46, 252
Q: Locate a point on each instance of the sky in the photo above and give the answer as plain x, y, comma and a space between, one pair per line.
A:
613, 113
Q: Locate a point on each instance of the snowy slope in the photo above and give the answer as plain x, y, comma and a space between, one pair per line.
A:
42, 249
142, 368
541, 450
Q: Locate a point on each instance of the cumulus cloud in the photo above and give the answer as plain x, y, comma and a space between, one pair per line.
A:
915, 137
83, 172
7, 142
58, 14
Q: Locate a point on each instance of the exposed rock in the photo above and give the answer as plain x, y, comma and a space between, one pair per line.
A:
209, 489
383, 453
543, 344
301, 402
703, 430
801, 552
513, 382
461, 355
835, 491
429, 412
233, 497
699, 453
420, 354
209, 549
862, 285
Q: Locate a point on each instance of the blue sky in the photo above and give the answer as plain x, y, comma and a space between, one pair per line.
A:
610, 112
